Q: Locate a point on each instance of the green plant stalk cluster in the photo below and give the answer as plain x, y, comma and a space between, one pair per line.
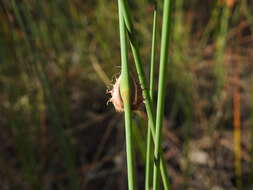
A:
142, 80
161, 87
147, 100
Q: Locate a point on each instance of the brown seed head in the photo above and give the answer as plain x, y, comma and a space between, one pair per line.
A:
135, 94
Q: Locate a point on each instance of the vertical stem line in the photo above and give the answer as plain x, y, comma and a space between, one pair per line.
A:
125, 94
219, 68
237, 137
142, 80
138, 63
161, 86
149, 156
237, 121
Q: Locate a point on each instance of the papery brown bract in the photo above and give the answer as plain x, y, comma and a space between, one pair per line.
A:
135, 94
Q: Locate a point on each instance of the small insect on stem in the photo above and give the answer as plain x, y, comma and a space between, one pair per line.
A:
135, 91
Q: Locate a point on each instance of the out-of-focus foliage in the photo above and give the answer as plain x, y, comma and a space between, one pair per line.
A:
58, 57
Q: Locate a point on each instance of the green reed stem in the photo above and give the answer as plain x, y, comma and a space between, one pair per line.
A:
142, 80
149, 156
125, 94
221, 46
161, 86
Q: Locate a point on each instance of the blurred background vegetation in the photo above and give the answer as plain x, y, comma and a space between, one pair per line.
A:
58, 57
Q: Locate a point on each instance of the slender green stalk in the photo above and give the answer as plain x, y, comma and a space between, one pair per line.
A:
138, 62
142, 80
178, 24
161, 86
237, 137
221, 46
149, 149
211, 25
125, 94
